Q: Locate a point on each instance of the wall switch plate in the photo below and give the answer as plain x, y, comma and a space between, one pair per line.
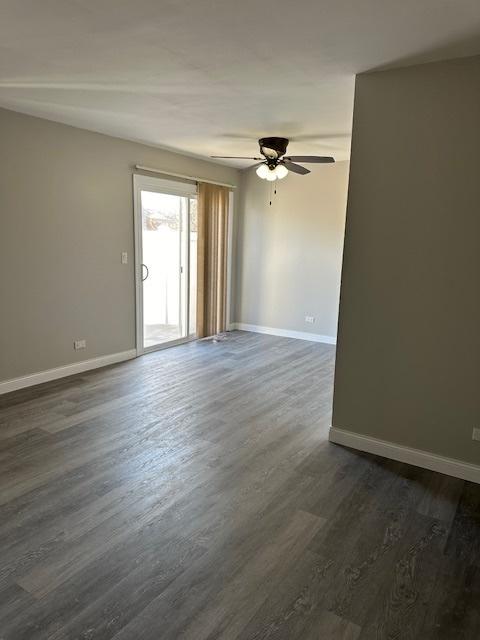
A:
310, 319
124, 257
80, 344
476, 433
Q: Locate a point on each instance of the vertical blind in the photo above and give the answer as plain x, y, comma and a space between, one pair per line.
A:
212, 257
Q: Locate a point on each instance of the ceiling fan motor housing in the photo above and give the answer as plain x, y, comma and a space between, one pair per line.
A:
279, 145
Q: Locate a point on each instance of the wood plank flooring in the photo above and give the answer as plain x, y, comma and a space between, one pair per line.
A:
192, 494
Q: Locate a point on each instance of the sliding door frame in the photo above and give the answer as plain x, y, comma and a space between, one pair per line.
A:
141, 181
146, 183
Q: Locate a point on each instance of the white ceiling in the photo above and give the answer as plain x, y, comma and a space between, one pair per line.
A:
211, 76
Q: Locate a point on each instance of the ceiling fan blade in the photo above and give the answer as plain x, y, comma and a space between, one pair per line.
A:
316, 159
296, 168
237, 157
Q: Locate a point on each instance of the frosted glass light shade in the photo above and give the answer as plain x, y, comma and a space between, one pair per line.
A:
271, 175
281, 171
262, 171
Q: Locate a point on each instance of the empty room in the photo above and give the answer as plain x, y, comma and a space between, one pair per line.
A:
239, 320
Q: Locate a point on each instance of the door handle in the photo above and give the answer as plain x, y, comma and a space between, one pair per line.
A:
144, 266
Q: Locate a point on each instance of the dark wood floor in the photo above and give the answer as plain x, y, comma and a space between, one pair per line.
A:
192, 494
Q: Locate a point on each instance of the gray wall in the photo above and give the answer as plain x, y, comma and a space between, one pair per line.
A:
66, 211
408, 351
289, 254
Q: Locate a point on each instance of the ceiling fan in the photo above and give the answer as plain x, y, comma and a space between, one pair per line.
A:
275, 165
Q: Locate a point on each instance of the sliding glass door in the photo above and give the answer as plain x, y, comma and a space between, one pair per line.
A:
165, 226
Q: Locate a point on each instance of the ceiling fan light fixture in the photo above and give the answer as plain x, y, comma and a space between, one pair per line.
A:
262, 171
271, 173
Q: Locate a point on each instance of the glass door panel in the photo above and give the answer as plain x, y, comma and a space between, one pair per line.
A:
192, 301
166, 245
163, 297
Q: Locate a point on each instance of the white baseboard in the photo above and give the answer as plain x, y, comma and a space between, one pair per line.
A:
67, 370
285, 333
417, 457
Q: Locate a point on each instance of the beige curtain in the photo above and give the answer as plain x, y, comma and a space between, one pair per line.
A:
212, 259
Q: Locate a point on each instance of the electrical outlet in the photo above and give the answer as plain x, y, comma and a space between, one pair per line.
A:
476, 433
309, 319
80, 344
124, 257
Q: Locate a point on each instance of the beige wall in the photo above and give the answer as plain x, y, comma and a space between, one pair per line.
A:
66, 215
408, 351
289, 254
